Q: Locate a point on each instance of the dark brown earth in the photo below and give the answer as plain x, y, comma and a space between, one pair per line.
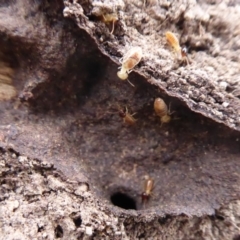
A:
71, 168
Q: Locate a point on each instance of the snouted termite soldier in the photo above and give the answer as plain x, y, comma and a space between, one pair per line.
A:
127, 117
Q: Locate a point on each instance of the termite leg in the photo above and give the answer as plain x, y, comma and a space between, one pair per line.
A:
113, 25
130, 83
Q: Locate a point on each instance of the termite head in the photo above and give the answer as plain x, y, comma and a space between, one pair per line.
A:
110, 17
184, 52
122, 113
122, 74
165, 119
148, 187
145, 197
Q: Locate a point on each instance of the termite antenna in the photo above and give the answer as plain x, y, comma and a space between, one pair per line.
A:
130, 83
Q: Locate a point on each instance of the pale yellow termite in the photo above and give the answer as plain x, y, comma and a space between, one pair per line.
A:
129, 61
161, 110
110, 18
127, 117
148, 187
174, 43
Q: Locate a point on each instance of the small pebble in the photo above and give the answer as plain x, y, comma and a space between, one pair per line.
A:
89, 231
225, 104
223, 85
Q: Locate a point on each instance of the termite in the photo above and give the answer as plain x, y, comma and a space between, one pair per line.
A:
148, 187
162, 110
129, 61
127, 117
110, 18
174, 43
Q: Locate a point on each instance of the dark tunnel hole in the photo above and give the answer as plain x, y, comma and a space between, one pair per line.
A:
12, 151
217, 217
58, 232
71, 85
236, 237
77, 221
124, 201
165, 219
40, 229
142, 235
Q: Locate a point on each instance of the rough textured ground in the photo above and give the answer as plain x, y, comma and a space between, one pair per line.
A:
37, 202
67, 158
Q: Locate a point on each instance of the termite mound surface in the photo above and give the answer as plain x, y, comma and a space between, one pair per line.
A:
74, 123
193, 161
